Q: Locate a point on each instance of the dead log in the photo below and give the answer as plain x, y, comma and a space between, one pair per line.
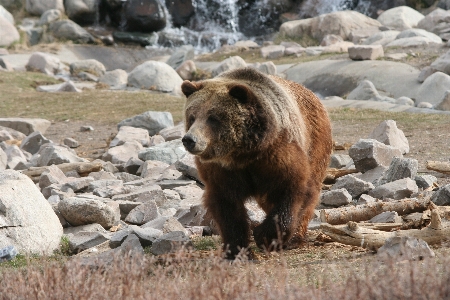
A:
82, 168
353, 234
366, 212
333, 174
439, 166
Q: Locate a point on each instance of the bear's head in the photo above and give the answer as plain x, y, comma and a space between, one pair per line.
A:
225, 121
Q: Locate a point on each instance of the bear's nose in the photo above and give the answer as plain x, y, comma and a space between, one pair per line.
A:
189, 142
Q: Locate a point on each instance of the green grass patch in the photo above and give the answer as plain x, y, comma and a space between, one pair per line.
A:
206, 243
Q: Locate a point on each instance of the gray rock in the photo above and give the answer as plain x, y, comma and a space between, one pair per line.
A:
28, 221
121, 154
147, 192
415, 32
155, 75
231, 63
400, 168
365, 199
133, 165
442, 63
128, 134
115, 79
425, 181
172, 133
143, 213
388, 133
33, 142
44, 63
53, 175
364, 91
365, 52
267, 67
132, 244
399, 189
187, 70
445, 102
103, 175
5, 136
37, 8
125, 177
169, 175
119, 237
168, 152
186, 165
172, 184
84, 240
272, 51
8, 253
339, 77
152, 169
336, 198
181, 55
125, 207
165, 224
86, 128
25, 125
405, 101
433, 88
15, 156
8, 33
193, 216
86, 228
80, 211
6, 14
3, 160
400, 18
146, 235
155, 140
368, 154
69, 30
425, 104
71, 143
51, 154
152, 121
49, 16
353, 185
404, 248
410, 42
90, 66
339, 161
189, 191
381, 38
68, 86
387, 217
170, 242
433, 19
77, 184
442, 195
340, 23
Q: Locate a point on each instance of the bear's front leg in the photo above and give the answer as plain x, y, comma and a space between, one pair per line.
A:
280, 223
228, 211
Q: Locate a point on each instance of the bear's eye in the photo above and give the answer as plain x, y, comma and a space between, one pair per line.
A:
213, 121
191, 120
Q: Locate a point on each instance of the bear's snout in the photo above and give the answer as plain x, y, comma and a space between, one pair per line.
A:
189, 142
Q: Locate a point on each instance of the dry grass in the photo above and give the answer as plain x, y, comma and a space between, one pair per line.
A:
184, 276
20, 99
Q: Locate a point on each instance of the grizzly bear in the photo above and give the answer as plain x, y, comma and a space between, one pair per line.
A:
257, 136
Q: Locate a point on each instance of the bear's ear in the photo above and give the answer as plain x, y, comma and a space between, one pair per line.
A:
241, 92
188, 88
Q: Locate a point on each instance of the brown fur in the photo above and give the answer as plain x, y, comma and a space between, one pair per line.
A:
262, 137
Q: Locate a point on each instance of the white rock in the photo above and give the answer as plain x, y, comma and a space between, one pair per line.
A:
365, 52
400, 18
381, 38
228, 64
91, 66
28, 221
433, 88
43, 62
420, 33
388, 133
115, 79
272, 51
128, 134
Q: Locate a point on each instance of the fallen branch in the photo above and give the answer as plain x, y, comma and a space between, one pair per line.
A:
82, 168
366, 212
439, 166
333, 174
353, 234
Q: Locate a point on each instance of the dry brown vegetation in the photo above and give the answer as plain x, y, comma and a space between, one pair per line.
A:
187, 276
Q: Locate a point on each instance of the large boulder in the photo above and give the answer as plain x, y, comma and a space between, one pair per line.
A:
82, 12
231, 63
433, 19
340, 23
152, 121
155, 75
51, 154
38, 7
339, 77
180, 11
144, 15
168, 152
26, 125
400, 18
6, 14
44, 63
90, 66
69, 30
27, 221
433, 88
8, 33
442, 63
